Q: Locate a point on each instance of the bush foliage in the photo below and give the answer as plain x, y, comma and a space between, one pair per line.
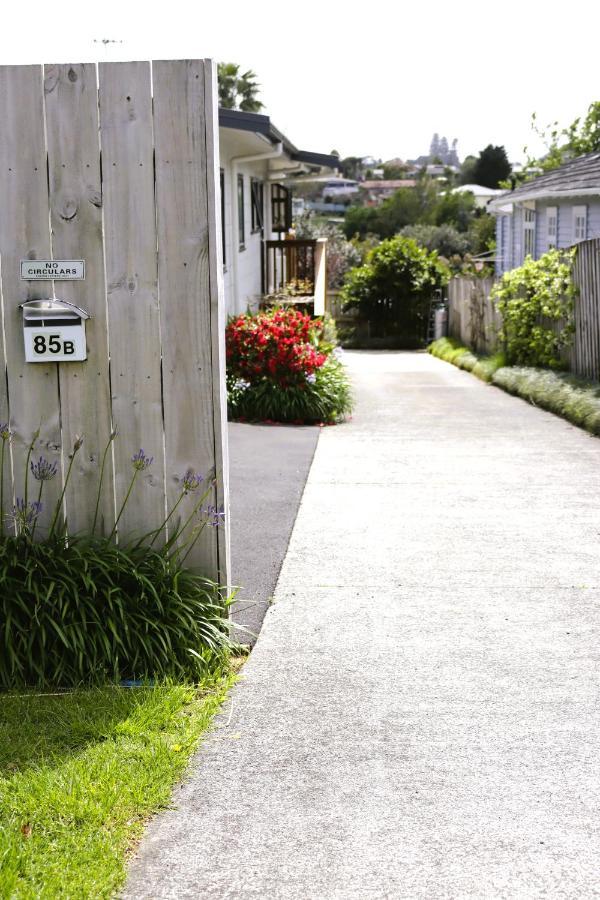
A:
281, 367
85, 611
82, 609
394, 288
536, 304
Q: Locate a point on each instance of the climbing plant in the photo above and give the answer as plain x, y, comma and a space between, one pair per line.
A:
536, 304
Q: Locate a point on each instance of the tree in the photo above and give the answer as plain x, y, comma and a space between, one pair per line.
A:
467, 169
394, 287
456, 209
492, 167
444, 239
562, 144
352, 167
238, 91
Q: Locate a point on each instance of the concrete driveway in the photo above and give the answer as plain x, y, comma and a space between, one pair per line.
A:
419, 717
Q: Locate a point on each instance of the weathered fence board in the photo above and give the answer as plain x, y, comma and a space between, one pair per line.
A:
472, 316
585, 355
74, 170
124, 167
217, 304
184, 280
132, 283
25, 234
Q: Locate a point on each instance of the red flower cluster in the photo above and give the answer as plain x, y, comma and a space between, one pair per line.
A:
280, 345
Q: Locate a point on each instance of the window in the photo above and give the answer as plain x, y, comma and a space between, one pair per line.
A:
281, 208
257, 190
223, 215
528, 232
552, 226
579, 223
241, 212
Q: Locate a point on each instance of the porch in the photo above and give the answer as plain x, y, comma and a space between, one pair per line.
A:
295, 272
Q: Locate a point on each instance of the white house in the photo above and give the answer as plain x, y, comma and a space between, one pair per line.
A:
256, 207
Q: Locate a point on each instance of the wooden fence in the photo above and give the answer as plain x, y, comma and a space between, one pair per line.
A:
474, 320
472, 316
585, 352
116, 164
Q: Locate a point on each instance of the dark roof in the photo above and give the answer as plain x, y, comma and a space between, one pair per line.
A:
259, 124
576, 177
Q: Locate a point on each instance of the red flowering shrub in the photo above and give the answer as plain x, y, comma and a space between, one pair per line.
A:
281, 368
281, 345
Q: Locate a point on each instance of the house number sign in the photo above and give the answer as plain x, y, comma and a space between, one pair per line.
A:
52, 269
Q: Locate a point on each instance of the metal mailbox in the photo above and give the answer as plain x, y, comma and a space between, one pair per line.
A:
54, 331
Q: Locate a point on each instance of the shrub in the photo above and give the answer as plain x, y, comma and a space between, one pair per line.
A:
451, 351
281, 368
536, 304
393, 289
81, 609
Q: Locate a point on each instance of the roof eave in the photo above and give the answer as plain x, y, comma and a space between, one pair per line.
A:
258, 123
515, 197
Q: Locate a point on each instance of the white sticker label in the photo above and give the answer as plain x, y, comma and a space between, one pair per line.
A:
52, 269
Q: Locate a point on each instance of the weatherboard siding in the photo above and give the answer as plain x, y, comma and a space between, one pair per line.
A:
509, 229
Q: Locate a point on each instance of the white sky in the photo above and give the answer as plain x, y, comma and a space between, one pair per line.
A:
365, 79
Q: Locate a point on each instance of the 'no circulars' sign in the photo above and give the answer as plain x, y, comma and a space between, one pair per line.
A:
52, 269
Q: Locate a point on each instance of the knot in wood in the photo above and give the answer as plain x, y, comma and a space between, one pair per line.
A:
69, 210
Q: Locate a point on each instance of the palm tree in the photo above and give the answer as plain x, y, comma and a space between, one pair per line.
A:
238, 91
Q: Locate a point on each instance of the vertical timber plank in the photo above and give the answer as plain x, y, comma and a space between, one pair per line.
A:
76, 216
24, 234
184, 284
217, 310
126, 137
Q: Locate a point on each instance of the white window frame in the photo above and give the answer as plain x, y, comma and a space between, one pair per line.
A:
552, 226
579, 224
529, 231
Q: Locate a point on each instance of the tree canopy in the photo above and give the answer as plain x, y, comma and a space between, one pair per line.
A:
238, 91
491, 167
580, 137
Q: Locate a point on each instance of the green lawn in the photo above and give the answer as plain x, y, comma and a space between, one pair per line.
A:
79, 774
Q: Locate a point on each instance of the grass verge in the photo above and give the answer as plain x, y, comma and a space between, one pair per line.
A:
566, 395
81, 772
559, 392
451, 351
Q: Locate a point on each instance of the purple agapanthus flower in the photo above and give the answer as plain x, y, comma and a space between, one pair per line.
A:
215, 516
43, 469
191, 481
24, 515
140, 461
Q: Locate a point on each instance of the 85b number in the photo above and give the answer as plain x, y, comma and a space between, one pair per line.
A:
52, 343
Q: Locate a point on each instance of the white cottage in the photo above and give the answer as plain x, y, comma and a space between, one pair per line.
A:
256, 208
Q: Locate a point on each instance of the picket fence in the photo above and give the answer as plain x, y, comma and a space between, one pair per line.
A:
117, 164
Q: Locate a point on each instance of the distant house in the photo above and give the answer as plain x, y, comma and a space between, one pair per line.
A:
557, 209
482, 194
375, 192
256, 163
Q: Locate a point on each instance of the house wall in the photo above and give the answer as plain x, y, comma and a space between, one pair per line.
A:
242, 265
509, 228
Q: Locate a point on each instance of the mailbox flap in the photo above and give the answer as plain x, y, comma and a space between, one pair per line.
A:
52, 307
